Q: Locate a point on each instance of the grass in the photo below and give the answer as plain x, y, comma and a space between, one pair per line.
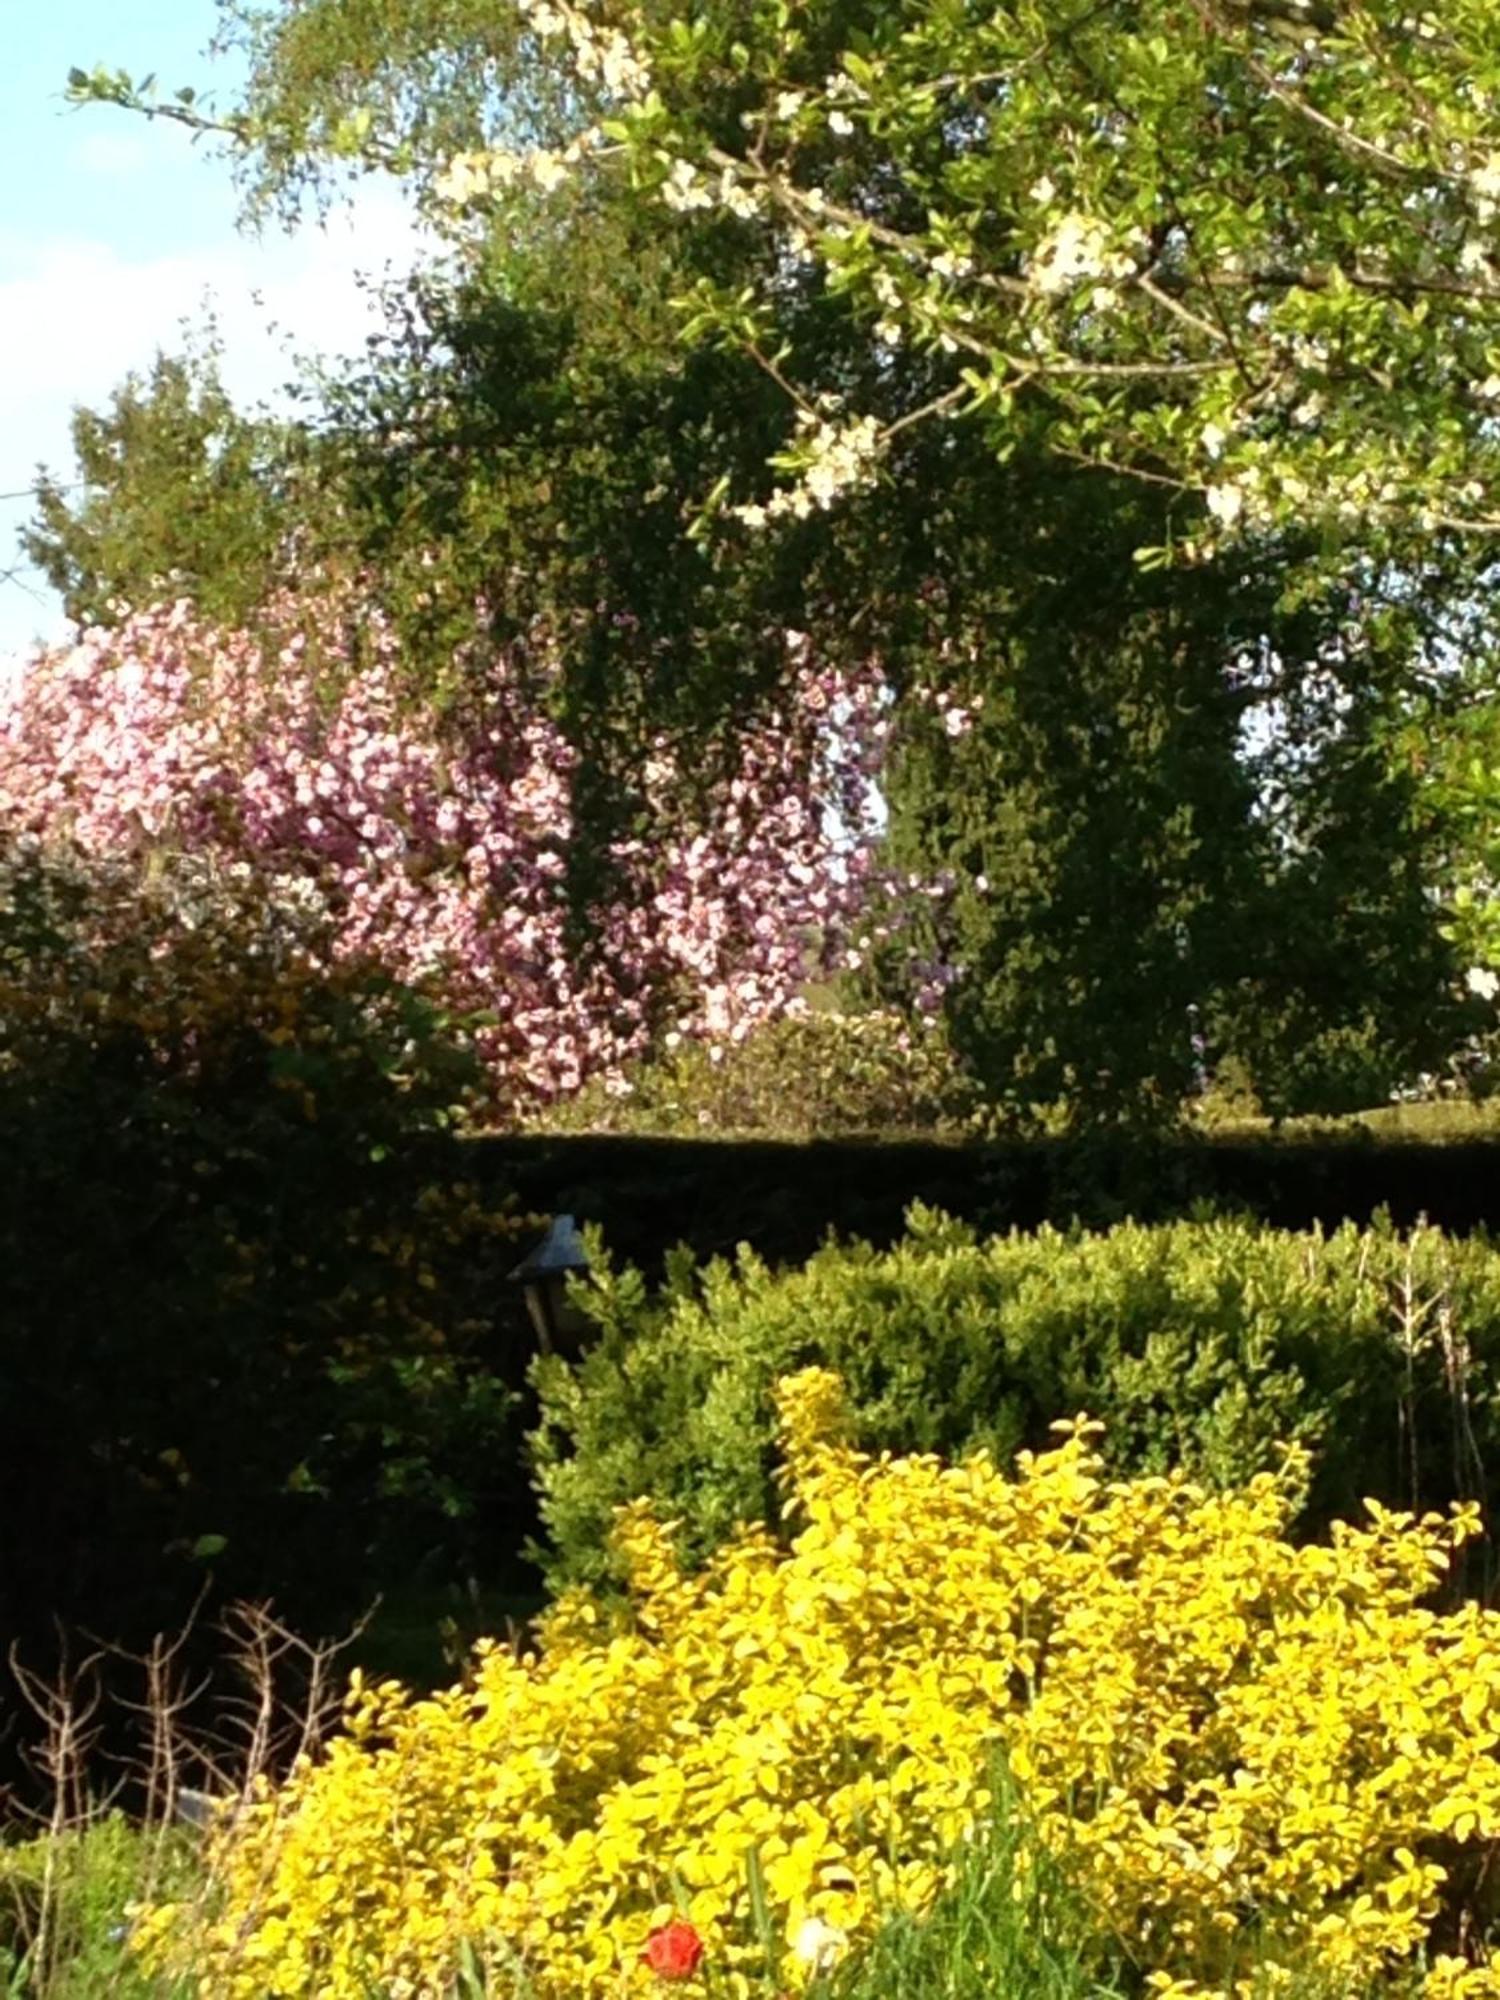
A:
1003, 1931
64, 1899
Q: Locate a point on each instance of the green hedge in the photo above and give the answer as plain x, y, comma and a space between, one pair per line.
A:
1199, 1343
784, 1198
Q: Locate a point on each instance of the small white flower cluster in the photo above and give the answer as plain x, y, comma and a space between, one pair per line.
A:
1254, 496
951, 264
476, 176
835, 459
1262, 494
889, 331
600, 55
1226, 502
1076, 250
686, 188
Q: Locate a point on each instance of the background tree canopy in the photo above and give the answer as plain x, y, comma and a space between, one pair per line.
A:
1194, 812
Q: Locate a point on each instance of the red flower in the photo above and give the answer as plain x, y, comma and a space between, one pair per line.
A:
673, 1950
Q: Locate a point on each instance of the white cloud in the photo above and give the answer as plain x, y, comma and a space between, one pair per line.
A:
78, 316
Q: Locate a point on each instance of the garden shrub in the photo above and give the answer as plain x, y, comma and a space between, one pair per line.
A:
803, 1076
1237, 1751
244, 1328
1200, 1343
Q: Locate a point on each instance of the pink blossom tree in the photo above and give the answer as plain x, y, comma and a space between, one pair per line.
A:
438, 843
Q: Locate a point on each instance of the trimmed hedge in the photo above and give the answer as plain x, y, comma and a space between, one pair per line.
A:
1198, 1343
785, 1198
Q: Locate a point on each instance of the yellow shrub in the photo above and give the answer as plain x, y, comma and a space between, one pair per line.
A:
1210, 1727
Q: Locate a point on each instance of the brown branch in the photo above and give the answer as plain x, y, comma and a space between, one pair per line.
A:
1355, 143
1311, 279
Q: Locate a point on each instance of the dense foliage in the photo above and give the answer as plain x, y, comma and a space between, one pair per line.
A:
248, 1331
1246, 251
1200, 1343
745, 1770
177, 493
1185, 816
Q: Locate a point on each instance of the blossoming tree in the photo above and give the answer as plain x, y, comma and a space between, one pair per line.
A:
438, 844
1247, 247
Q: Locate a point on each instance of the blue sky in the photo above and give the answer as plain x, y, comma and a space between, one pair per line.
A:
114, 232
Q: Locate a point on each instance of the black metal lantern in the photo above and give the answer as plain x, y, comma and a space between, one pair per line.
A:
543, 1277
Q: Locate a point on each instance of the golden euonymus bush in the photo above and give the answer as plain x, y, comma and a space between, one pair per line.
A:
1217, 1733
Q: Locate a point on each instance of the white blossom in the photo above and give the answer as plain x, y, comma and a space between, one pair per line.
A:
622, 69
548, 170
840, 458
1226, 503
684, 188
460, 180
1485, 181
739, 199
1078, 248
